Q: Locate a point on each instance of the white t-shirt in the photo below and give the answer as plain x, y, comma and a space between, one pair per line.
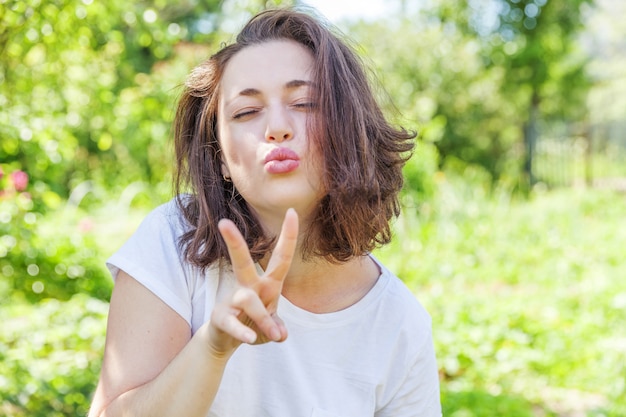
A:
374, 358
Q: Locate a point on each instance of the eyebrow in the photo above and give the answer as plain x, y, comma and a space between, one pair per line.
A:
298, 83
293, 84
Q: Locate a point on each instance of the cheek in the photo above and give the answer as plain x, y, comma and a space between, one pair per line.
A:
238, 151
228, 145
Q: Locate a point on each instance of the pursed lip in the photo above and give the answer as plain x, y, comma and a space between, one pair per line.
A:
281, 154
281, 161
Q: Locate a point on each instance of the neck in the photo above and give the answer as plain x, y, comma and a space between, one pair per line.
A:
318, 285
271, 219
323, 287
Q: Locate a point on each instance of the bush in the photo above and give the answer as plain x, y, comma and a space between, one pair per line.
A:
50, 356
525, 298
43, 256
419, 173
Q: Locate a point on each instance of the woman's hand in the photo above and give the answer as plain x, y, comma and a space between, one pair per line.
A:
248, 314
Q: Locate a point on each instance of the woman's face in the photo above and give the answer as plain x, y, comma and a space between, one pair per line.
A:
265, 100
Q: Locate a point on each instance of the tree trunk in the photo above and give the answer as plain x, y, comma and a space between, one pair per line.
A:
530, 138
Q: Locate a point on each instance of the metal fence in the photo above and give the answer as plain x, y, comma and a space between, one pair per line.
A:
591, 155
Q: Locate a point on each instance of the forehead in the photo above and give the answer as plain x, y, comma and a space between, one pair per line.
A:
268, 65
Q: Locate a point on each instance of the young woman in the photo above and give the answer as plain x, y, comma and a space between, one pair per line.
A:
253, 292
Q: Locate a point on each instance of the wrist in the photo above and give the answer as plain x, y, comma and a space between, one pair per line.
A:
219, 353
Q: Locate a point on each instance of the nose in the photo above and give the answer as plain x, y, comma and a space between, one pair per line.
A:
279, 127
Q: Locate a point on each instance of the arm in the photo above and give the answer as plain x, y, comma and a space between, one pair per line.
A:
151, 364
153, 367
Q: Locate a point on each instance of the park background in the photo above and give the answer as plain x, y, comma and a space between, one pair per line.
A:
512, 233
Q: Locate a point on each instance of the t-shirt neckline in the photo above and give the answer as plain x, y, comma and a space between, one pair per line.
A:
292, 313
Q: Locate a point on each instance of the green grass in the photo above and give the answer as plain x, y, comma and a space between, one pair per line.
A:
528, 300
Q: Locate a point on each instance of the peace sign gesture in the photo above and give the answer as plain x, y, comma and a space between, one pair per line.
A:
248, 313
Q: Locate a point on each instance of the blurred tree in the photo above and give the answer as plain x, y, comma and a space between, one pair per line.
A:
478, 75
76, 93
434, 74
535, 42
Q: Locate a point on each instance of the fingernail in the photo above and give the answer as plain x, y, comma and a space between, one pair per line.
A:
250, 337
275, 334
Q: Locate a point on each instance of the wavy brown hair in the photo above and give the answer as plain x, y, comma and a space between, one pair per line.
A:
362, 154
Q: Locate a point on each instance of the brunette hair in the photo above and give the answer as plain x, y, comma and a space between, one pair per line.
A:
362, 154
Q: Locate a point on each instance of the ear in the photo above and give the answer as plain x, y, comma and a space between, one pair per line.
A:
225, 171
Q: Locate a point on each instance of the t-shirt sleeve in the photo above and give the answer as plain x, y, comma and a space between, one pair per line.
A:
152, 257
414, 387
418, 395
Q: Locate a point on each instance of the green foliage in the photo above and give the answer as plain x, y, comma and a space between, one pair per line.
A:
50, 356
469, 74
437, 78
46, 256
525, 298
419, 174
480, 404
77, 92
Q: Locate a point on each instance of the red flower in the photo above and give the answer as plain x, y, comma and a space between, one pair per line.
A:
85, 225
20, 180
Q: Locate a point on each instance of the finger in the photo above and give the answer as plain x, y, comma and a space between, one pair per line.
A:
249, 303
227, 322
280, 262
240, 259
281, 327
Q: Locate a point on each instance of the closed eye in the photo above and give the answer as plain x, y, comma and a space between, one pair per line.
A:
246, 112
305, 105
